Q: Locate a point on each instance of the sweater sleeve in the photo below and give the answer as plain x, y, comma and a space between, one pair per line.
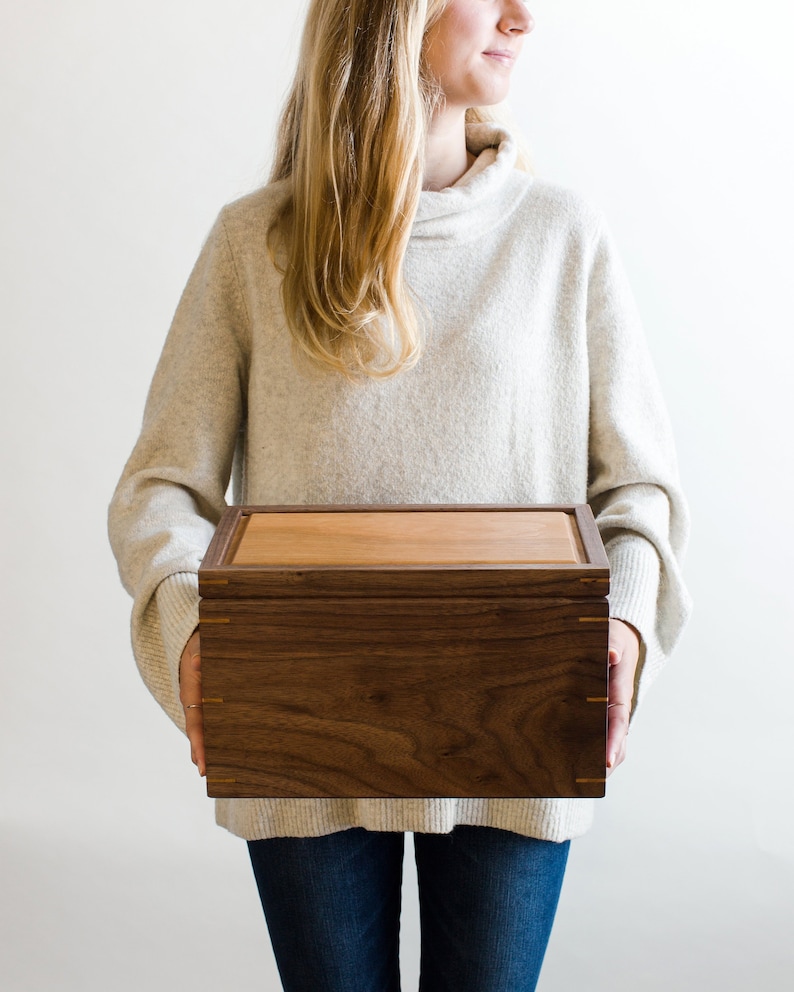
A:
633, 486
172, 491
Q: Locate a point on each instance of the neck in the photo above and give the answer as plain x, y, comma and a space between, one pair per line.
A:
446, 155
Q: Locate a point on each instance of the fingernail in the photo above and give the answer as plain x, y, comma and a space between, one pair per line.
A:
611, 760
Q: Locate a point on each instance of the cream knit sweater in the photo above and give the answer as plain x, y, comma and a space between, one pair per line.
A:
535, 387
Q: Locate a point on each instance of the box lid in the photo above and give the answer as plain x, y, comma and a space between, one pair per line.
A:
410, 550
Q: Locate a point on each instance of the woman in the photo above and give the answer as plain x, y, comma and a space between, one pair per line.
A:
402, 315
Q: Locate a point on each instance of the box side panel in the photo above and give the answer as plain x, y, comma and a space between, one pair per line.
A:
414, 698
226, 534
590, 536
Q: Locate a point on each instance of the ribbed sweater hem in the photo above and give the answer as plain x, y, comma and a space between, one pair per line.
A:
549, 819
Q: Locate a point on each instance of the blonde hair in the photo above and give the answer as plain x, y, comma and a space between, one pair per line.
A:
351, 141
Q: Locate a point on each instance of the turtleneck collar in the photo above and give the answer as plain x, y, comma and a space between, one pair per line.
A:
460, 211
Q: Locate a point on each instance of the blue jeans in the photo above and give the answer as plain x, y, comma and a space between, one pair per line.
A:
487, 900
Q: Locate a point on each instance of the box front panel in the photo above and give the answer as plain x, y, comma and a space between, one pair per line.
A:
405, 697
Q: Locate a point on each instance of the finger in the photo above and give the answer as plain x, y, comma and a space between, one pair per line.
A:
190, 681
621, 677
190, 695
194, 726
619, 757
618, 715
190, 671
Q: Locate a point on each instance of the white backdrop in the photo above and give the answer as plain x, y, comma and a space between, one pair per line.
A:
124, 127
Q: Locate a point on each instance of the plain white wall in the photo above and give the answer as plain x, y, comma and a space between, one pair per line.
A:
125, 126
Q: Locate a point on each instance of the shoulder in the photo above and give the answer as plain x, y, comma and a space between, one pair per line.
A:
251, 215
238, 240
556, 209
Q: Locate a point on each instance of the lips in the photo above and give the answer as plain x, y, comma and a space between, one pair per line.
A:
501, 55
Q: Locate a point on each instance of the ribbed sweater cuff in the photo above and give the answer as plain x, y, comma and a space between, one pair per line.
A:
634, 583
634, 587
177, 603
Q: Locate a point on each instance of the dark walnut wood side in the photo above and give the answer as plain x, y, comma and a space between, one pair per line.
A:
405, 652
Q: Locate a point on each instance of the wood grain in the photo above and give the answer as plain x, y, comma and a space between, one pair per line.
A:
410, 698
413, 651
394, 538
249, 582
219, 577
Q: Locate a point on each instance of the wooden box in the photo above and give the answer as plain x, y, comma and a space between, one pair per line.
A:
411, 651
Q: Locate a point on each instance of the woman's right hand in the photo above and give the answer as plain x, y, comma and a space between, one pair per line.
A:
190, 697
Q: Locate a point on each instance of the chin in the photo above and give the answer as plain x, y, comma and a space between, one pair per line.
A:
490, 98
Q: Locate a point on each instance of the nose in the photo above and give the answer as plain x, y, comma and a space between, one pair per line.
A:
516, 19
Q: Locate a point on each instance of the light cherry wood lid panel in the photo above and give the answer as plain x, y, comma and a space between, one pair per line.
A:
471, 537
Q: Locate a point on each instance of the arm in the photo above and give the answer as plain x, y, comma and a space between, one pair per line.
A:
172, 491
634, 491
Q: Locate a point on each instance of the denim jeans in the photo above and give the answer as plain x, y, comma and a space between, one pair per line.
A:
487, 900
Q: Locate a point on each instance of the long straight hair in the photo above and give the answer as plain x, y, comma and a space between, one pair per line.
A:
351, 142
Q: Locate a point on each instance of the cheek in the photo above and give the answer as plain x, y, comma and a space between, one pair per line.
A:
453, 40
465, 31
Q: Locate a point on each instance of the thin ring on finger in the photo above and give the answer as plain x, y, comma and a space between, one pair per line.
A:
194, 706
609, 707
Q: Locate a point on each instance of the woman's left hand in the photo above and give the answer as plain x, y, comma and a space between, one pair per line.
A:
624, 653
